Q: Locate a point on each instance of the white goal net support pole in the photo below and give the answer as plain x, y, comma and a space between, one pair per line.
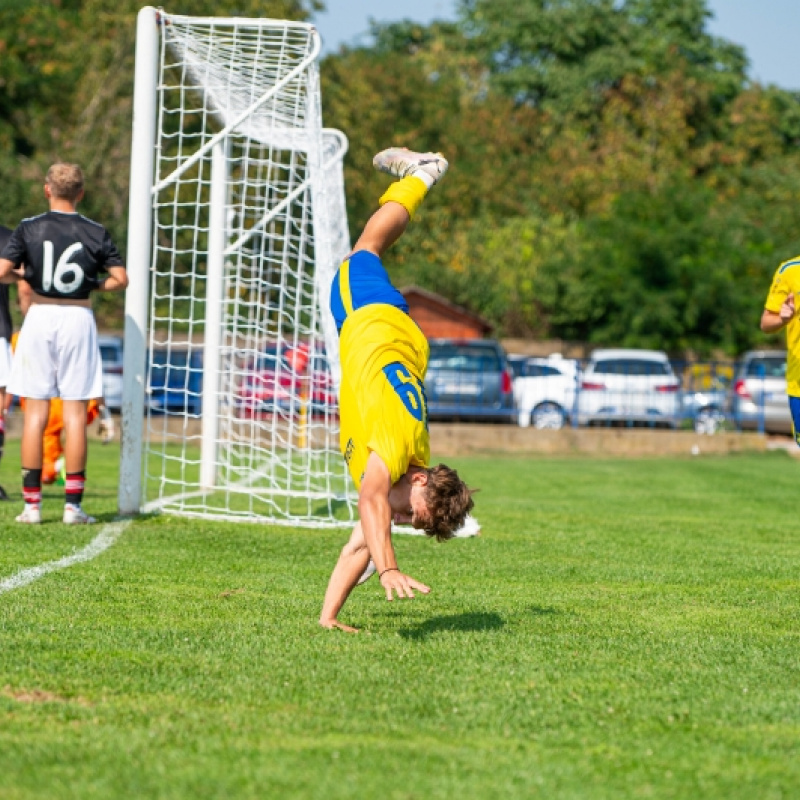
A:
237, 225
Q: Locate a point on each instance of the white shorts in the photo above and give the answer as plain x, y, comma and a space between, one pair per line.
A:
57, 355
5, 363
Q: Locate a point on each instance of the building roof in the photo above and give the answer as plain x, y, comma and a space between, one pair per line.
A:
441, 305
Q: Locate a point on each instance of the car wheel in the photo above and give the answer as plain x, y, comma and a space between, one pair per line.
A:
708, 421
548, 416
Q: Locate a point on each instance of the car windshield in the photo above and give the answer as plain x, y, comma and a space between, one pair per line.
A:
462, 358
770, 367
631, 366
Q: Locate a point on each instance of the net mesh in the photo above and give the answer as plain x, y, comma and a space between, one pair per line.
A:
249, 226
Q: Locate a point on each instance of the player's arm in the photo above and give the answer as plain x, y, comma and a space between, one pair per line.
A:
115, 281
24, 296
12, 268
352, 562
376, 524
8, 272
772, 322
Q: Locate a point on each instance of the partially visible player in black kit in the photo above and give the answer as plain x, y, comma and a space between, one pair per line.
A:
5, 351
63, 256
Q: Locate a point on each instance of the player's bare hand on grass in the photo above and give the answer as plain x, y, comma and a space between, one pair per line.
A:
394, 581
334, 624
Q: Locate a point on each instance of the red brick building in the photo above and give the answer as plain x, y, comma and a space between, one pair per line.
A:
439, 318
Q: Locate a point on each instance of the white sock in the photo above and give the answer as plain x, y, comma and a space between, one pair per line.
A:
423, 176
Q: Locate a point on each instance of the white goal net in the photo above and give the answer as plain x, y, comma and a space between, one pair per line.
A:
246, 224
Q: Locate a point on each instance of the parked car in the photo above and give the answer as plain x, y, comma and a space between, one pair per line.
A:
175, 381
469, 379
111, 350
516, 363
544, 391
758, 398
630, 387
284, 377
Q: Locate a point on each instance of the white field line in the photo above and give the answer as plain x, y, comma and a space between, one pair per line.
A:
105, 539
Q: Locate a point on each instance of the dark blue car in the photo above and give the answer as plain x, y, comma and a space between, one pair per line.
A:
469, 379
175, 381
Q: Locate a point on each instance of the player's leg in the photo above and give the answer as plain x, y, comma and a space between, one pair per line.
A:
5, 374
418, 172
75, 451
383, 229
52, 449
34, 422
80, 378
352, 563
33, 377
794, 407
3, 495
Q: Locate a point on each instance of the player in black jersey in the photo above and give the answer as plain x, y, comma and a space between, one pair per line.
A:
64, 256
5, 351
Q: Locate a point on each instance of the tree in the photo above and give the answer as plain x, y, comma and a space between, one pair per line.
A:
66, 85
675, 269
567, 54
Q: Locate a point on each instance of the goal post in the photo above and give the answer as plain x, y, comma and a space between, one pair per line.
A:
237, 225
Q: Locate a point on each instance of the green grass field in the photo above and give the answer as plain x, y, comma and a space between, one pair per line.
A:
622, 629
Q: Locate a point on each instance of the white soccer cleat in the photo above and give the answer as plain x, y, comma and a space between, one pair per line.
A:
367, 573
75, 515
402, 162
31, 515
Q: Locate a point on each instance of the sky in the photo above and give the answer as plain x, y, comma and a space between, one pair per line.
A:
767, 29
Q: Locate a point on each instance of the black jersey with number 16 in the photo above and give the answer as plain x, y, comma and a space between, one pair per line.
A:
64, 254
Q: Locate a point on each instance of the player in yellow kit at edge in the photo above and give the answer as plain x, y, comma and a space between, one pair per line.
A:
382, 405
779, 313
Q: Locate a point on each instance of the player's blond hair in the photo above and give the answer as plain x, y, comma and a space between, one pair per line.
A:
448, 499
65, 181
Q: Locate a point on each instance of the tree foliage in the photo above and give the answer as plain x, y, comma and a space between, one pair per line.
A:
615, 178
66, 87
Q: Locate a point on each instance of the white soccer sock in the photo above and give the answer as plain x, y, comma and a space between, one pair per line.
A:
427, 179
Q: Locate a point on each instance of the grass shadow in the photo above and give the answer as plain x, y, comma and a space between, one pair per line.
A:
542, 611
462, 623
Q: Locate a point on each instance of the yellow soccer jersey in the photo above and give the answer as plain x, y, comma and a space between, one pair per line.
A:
786, 280
382, 403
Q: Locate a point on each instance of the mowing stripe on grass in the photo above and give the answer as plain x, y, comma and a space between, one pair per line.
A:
105, 539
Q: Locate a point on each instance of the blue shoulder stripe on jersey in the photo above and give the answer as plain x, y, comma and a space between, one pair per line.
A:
787, 265
336, 304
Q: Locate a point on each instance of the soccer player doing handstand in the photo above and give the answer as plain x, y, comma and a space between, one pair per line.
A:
382, 406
